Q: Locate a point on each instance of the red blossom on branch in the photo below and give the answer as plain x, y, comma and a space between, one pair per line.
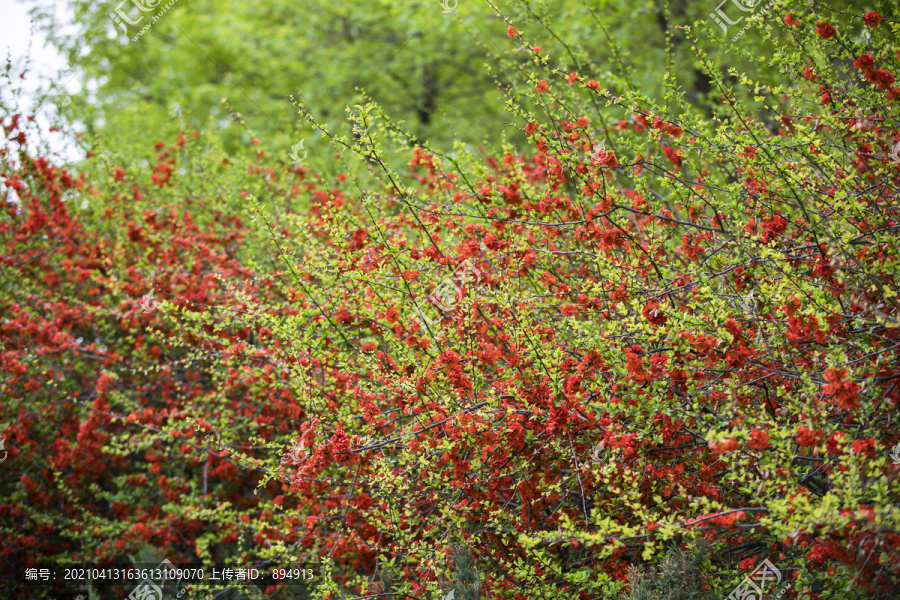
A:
872, 19
826, 30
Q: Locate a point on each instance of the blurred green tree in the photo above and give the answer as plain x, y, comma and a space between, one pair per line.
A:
422, 61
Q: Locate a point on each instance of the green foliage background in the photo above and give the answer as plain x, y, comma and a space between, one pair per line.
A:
424, 66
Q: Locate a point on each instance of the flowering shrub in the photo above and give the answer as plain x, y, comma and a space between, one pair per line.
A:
103, 400
685, 336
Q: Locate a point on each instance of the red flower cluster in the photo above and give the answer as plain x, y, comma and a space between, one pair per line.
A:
729, 445
654, 315
759, 440
872, 19
807, 438
845, 393
864, 62
878, 77
604, 158
826, 30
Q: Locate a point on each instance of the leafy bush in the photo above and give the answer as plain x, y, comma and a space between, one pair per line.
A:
680, 577
662, 328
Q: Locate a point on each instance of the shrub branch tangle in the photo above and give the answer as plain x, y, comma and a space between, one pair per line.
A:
683, 338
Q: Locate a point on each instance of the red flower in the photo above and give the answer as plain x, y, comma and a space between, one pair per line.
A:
640, 123
542, 86
531, 128
759, 440
865, 61
727, 520
808, 72
808, 437
728, 445
605, 158
118, 174
747, 564
845, 393
881, 77
864, 446
652, 313
536, 49
826, 30
572, 78
834, 441
568, 310
872, 19
593, 85
790, 20
340, 446
674, 155
511, 31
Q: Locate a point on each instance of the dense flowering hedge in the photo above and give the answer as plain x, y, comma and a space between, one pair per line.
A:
678, 325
